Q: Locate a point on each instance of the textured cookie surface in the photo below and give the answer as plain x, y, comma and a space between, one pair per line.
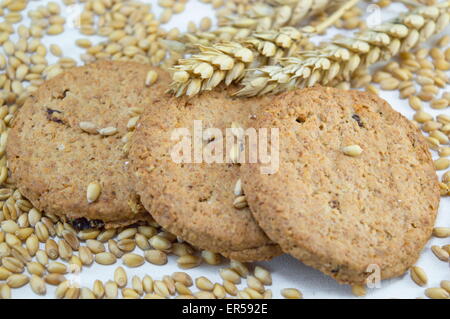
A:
52, 160
195, 200
337, 213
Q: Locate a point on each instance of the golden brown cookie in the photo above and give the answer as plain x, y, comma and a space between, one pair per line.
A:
340, 213
195, 200
52, 160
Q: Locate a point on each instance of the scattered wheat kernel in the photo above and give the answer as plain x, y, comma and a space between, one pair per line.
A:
86, 293
229, 274
54, 279
359, 290
188, 261
62, 289
88, 127
441, 232
127, 244
422, 117
127, 233
204, 283
352, 150
35, 268
17, 280
240, 202
444, 151
446, 177
56, 50
95, 246
389, 84
151, 78
98, 289
5, 291
83, 43
137, 285
183, 278
93, 192
57, 268
291, 293
9, 226
442, 163
211, 258
431, 126
243, 295
439, 104
161, 289
147, 284
437, 293
105, 258
240, 268
178, 7
133, 260
205, 24
108, 131
440, 253
230, 288
120, 277
166, 15
442, 64
4, 273
445, 284
254, 283
160, 243
55, 29
441, 137
155, 257
432, 143
419, 276
111, 290
38, 285
263, 275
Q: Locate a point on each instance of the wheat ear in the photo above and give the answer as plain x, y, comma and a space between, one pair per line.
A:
340, 59
228, 61
223, 62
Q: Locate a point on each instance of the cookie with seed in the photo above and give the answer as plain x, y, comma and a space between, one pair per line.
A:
194, 198
69, 134
355, 191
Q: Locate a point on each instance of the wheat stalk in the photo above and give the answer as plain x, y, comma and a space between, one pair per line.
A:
220, 62
340, 59
228, 61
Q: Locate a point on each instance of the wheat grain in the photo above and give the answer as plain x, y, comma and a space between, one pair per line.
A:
291, 293
120, 277
111, 290
437, 293
133, 260
419, 276
155, 257
98, 289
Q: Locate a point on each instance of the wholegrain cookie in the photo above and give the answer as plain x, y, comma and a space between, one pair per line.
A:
194, 200
55, 149
345, 212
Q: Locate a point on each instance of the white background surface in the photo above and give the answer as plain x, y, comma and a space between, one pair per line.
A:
286, 271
